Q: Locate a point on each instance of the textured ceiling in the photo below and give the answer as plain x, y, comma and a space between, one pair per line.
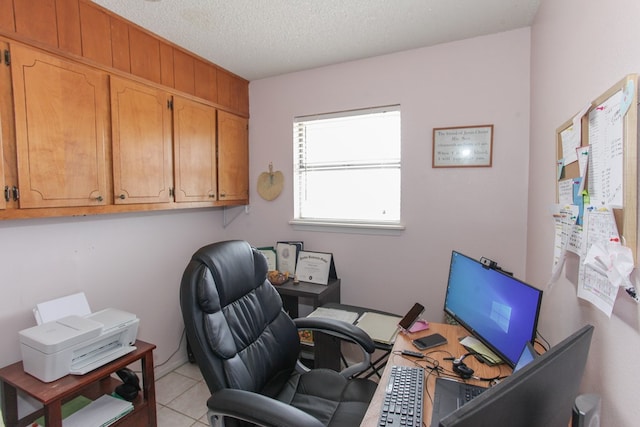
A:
262, 38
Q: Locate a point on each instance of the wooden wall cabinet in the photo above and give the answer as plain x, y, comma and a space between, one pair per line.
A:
99, 115
61, 119
194, 148
84, 28
141, 137
233, 157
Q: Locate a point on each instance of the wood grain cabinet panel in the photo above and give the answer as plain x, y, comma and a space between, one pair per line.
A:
37, 20
233, 157
8, 168
166, 65
95, 29
145, 55
68, 19
120, 52
194, 145
183, 72
61, 118
7, 21
233, 92
141, 137
206, 85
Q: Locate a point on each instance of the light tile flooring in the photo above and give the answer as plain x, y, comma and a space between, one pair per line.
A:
181, 398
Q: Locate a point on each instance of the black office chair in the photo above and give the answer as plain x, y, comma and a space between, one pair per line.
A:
247, 347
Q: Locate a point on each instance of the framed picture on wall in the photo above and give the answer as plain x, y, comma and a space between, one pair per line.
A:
463, 146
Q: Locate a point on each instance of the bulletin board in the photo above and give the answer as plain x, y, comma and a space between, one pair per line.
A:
617, 106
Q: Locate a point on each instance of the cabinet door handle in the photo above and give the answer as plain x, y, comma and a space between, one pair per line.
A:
7, 193
99, 198
122, 197
16, 194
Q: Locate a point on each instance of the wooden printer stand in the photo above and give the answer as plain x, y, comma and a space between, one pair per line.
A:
92, 385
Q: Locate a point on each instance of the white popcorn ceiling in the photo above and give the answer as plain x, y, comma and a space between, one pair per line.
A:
262, 38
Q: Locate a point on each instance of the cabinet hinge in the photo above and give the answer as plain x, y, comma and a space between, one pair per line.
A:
7, 57
170, 104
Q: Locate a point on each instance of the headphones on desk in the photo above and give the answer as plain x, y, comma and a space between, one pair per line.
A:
460, 368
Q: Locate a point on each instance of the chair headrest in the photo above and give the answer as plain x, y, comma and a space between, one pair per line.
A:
236, 269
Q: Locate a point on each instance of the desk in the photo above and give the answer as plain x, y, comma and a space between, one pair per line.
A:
326, 351
452, 348
376, 363
92, 385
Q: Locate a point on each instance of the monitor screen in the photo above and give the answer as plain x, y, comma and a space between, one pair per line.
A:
498, 309
526, 357
541, 394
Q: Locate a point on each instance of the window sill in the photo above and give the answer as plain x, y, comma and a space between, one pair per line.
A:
348, 227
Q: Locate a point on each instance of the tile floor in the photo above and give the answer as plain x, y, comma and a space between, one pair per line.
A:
181, 397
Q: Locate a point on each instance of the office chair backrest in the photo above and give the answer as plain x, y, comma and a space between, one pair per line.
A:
239, 334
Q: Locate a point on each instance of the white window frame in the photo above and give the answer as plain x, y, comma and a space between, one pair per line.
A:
300, 167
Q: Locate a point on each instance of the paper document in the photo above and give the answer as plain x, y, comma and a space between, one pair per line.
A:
475, 345
55, 309
334, 313
380, 327
103, 411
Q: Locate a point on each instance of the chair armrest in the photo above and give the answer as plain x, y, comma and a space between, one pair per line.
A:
256, 408
345, 331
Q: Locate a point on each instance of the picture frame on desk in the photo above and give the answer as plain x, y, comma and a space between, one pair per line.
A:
271, 256
287, 255
315, 267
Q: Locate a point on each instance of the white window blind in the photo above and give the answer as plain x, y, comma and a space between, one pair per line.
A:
347, 166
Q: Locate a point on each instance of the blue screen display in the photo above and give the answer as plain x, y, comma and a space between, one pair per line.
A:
495, 307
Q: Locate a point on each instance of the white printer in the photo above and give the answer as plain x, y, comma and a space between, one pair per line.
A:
77, 344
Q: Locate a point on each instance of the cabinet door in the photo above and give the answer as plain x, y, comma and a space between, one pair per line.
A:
61, 118
7, 163
141, 128
233, 157
194, 145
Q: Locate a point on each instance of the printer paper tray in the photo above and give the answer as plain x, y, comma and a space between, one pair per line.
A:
100, 359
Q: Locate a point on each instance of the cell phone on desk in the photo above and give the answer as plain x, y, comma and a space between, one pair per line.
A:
429, 341
410, 318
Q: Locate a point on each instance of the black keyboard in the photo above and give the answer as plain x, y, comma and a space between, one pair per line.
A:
402, 404
470, 393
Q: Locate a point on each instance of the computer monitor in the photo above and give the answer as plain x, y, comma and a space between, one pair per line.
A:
541, 394
498, 309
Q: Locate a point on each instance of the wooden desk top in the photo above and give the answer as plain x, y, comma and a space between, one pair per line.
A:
452, 349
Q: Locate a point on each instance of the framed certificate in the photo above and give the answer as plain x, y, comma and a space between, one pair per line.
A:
270, 254
463, 146
315, 267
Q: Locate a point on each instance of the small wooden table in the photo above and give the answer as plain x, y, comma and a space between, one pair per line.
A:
326, 351
453, 348
92, 385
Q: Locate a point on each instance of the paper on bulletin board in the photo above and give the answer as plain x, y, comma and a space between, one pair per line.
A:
571, 137
567, 236
606, 156
605, 264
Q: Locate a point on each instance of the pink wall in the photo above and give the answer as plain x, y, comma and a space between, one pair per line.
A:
478, 211
580, 49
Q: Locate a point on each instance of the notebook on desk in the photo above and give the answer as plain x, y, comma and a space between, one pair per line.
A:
380, 327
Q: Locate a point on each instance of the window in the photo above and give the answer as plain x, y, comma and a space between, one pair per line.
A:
347, 167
